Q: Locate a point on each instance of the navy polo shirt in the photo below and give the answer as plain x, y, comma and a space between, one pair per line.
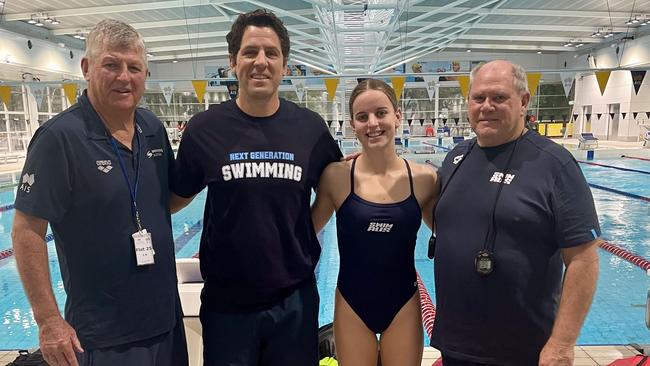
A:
544, 206
72, 179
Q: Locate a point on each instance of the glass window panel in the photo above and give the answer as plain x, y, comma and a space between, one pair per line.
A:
19, 141
16, 102
17, 123
56, 99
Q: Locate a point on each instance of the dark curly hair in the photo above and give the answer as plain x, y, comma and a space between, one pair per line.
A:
258, 18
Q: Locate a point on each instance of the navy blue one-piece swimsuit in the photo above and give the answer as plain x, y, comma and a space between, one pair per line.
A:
376, 245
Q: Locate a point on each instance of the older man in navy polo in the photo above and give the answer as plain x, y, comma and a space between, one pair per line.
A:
98, 173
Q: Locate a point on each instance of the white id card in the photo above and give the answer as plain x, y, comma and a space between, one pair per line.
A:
143, 248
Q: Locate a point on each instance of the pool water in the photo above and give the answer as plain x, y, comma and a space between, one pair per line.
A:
616, 317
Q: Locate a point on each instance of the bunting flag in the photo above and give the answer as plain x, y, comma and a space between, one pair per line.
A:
167, 89
551, 118
340, 123
647, 115
430, 81
634, 114
38, 91
611, 115
398, 85
421, 121
602, 77
624, 114
331, 84
444, 121
463, 81
434, 120
199, 89
70, 90
329, 123
637, 79
564, 118
575, 117
533, 82
299, 85
409, 121
588, 116
5, 94
598, 115
456, 121
567, 81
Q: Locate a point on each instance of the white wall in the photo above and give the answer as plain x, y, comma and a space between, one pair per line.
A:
46, 60
619, 89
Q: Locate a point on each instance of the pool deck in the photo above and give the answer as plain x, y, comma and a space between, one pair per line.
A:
584, 356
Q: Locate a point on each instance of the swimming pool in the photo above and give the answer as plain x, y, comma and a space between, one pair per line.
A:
616, 317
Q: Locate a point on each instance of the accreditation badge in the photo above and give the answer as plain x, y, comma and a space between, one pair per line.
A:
144, 253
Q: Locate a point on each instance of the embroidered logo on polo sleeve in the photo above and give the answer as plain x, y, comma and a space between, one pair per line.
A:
104, 166
27, 182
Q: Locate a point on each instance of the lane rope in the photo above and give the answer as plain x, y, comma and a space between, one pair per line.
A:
634, 157
614, 167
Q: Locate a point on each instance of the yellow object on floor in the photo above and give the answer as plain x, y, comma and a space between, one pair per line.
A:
328, 361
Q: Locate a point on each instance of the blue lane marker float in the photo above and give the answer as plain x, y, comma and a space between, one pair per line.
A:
4, 254
444, 148
628, 194
181, 241
7, 207
614, 167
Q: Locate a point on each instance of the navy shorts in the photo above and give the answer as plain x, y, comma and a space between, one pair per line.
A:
167, 349
284, 334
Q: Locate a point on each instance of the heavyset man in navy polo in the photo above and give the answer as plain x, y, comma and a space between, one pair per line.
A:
99, 173
514, 208
260, 157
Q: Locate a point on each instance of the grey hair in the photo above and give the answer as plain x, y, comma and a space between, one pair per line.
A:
111, 33
518, 75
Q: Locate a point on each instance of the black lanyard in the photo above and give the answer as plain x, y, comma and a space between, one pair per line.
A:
489, 243
493, 226
133, 189
432, 240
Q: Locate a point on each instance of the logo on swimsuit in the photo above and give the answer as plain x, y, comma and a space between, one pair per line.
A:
457, 159
28, 181
104, 166
155, 153
499, 177
380, 227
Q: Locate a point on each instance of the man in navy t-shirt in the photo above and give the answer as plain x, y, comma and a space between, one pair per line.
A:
260, 157
514, 208
99, 174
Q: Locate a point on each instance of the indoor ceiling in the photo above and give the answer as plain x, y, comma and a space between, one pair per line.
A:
347, 36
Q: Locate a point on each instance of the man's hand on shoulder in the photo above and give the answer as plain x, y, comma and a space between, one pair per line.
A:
352, 156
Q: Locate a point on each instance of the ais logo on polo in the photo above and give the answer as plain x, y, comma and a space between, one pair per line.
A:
27, 182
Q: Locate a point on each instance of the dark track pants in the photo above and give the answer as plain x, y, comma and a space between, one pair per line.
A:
284, 334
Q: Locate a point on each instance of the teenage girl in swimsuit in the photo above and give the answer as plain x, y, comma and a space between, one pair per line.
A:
380, 201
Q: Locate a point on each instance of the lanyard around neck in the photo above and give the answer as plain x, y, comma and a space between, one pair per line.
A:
133, 188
